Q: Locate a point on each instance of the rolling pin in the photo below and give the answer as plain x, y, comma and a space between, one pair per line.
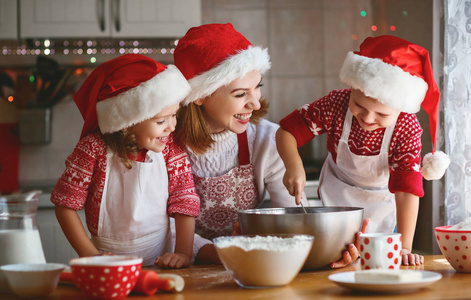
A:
147, 283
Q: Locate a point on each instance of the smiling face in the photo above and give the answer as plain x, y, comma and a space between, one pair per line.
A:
370, 113
153, 134
230, 107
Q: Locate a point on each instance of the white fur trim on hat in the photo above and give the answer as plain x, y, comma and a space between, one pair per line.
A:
434, 165
143, 101
384, 82
234, 67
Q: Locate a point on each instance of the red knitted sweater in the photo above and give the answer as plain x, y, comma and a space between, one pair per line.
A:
82, 182
326, 115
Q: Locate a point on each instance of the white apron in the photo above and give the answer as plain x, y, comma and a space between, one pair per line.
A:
133, 213
221, 197
360, 181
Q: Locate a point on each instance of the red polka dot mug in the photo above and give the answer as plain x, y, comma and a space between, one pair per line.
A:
380, 251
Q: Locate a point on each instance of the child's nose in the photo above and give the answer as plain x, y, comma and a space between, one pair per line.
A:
368, 117
171, 126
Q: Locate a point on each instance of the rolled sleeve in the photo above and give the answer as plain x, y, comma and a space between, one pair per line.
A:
406, 181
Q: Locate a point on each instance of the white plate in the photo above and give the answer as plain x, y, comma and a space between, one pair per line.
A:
347, 280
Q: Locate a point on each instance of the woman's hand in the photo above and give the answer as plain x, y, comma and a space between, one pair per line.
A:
352, 253
237, 230
173, 261
411, 259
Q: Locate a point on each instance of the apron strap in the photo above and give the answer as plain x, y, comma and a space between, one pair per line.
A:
244, 154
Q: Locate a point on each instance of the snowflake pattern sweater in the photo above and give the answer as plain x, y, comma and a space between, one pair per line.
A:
82, 182
327, 115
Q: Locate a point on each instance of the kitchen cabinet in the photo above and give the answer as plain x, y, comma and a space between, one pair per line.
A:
108, 18
8, 20
55, 245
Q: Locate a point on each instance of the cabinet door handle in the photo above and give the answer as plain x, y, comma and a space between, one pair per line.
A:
101, 14
116, 11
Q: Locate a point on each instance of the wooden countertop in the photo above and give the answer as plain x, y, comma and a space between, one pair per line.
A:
213, 282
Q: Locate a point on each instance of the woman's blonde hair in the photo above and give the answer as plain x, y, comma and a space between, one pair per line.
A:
123, 143
192, 129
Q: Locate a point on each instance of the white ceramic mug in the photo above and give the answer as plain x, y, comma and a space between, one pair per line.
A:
381, 251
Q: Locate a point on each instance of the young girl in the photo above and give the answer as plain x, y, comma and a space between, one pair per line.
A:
126, 170
374, 137
231, 149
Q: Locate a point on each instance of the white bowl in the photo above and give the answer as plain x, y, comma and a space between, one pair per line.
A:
33, 280
263, 260
455, 245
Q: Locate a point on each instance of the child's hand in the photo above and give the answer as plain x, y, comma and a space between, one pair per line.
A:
172, 261
352, 253
411, 259
294, 181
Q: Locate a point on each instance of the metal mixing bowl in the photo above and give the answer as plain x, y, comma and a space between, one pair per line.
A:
332, 227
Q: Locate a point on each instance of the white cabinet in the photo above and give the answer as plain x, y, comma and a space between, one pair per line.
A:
108, 18
63, 18
55, 245
8, 19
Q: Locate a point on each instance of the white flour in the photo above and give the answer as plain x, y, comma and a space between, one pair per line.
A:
465, 225
273, 243
263, 261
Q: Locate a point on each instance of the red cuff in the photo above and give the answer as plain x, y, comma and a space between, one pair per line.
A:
406, 181
294, 124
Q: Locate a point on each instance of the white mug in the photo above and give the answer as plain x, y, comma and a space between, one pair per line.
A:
381, 251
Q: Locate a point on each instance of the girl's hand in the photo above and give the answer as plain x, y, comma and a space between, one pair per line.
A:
352, 253
172, 261
411, 259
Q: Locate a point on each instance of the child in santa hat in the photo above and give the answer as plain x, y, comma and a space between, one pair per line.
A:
373, 138
231, 148
126, 170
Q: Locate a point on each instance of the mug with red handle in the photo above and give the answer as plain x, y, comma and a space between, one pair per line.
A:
380, 251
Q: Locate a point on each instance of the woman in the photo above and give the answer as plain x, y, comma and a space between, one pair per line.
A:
232, 150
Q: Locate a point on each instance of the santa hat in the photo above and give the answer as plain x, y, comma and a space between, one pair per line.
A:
128, 90
399, 74
214, 55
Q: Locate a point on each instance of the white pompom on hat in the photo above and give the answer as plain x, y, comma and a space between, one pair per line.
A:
213, 55
127, 90
399, 74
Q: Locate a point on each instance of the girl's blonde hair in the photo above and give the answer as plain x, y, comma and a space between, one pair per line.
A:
123, 144
192, 129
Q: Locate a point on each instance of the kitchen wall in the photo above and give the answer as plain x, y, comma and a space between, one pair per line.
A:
307, 41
